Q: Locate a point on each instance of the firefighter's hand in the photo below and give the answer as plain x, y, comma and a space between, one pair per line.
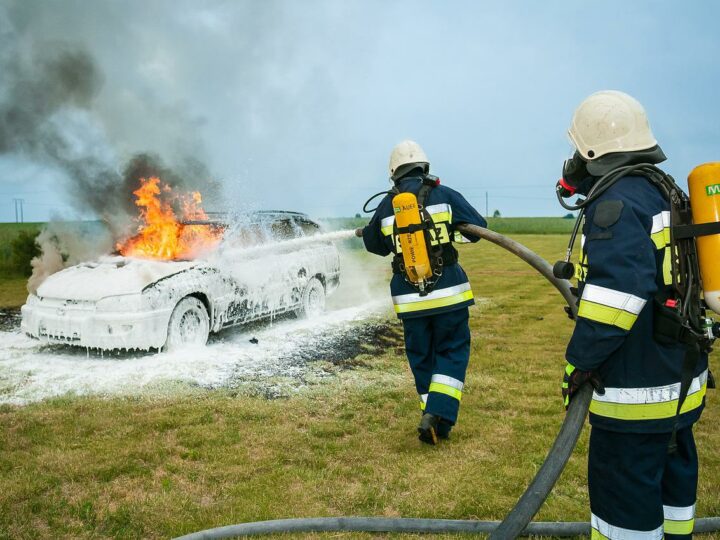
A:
574, 378
359, 232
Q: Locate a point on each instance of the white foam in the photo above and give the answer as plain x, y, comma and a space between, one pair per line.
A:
31, 372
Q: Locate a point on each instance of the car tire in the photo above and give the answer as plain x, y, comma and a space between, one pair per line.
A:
312, 301
189, 324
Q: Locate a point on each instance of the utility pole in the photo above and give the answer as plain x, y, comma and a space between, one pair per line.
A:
19, 216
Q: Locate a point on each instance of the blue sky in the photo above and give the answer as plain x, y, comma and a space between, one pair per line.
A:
296, 105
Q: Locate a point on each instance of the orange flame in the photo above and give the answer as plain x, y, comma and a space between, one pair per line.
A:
160, 234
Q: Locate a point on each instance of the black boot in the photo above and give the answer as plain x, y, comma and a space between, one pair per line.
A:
443, 429
428, 428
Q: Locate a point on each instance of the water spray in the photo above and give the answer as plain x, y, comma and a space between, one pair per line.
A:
291, 244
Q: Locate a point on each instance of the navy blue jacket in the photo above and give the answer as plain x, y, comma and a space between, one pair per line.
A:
625, 262
448, 208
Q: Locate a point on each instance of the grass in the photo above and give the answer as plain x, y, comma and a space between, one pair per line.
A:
140, 468
13, 290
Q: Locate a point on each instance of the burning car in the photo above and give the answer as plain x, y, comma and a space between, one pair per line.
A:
268, 265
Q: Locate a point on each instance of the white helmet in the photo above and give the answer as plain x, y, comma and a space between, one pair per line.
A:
610, 121
407, 152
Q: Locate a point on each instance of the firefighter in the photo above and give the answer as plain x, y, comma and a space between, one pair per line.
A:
435, 317
642, 465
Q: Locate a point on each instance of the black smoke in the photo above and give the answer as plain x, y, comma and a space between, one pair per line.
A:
48, 115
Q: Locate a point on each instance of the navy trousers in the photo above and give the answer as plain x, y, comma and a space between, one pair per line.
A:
438, 349
638, 489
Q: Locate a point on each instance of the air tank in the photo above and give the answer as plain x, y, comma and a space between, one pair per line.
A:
414, 248
704, 185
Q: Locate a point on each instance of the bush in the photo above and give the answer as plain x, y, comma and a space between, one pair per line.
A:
24, 249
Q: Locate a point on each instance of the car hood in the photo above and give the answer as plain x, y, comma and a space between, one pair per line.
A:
108, 276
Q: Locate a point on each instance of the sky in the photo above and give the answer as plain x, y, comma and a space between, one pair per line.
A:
297, 105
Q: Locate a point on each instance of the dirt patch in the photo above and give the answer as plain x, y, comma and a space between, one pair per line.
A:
9, 319
344, 348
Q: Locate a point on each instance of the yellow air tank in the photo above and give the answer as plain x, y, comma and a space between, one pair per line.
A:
704, 184
414, 248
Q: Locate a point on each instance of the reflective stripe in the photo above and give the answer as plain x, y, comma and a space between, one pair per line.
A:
679, 513
448, 296
606, 315
440, 213
660, 221
679, 519
444, 384
423, 401
448, 381
441, 388
458, 238
602, 529
667, 266
679, 527
613, 298
609, 306
651, 394
386, 225
651, 403
660, 231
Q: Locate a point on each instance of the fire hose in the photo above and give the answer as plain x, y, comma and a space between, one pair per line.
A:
518, 520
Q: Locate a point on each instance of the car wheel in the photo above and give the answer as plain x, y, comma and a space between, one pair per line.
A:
189, 324
312, 302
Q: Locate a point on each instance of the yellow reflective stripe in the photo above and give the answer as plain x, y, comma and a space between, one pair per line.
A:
458, 238
661, 238
435, 303
647, 411
441, 217
441, 388
667, 266
606, 314
423, 401
597, 535
679, 527
387, 231
581, 268
569, 368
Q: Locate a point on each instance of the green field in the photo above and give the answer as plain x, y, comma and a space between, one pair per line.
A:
154, 468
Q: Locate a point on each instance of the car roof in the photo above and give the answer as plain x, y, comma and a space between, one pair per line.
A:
257, 217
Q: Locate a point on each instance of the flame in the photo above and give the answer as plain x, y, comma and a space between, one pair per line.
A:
160, 234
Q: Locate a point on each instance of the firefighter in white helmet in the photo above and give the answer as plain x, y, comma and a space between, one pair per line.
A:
642, 465
435, 313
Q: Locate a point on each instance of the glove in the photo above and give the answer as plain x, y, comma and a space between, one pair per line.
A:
711, 380
359, 232
574, 378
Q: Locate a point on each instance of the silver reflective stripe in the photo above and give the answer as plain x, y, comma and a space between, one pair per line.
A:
650, 394
447, 381
660, 221
582, 241
436, 294
612, 298
423, 398
386, 222
619, 533
679, 513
